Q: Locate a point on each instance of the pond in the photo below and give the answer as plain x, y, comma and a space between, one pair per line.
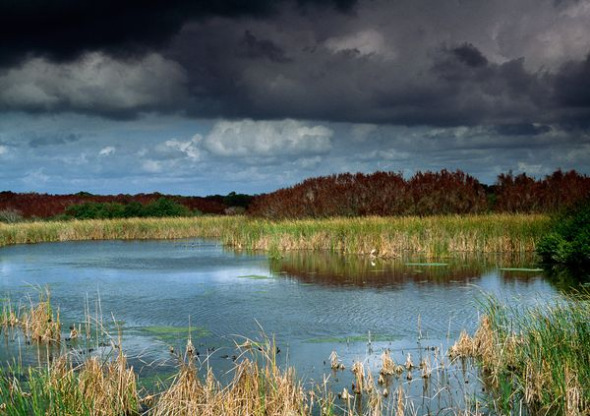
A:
157, 292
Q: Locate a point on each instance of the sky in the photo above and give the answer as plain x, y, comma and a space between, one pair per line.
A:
200, 97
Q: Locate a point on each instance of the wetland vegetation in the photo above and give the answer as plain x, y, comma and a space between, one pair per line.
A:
349, 258
534, 360
378, 236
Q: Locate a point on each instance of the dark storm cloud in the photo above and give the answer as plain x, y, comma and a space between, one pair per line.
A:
463, 63
522, 129
63, 29
572, 90
453, 86
470, 55
255, 48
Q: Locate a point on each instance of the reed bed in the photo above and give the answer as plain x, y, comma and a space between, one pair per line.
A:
258, 387
95, 388
390, 236
363, 235
117, 229
376, 236
537, 358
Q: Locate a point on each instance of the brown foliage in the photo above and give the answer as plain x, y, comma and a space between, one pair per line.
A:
426, 193
524, 194
380, 193
31, 205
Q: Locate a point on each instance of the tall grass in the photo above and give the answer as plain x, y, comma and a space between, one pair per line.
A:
60, 388
117, 229
390, 236
537, 358
382, 236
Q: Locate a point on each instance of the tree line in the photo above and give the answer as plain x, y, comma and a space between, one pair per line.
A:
346, 194
425, 193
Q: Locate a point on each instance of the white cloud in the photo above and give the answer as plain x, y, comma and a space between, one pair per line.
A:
188, 148
267, 138
107, 151
93, 82
309, 162
531, 169
385, 154
3, 150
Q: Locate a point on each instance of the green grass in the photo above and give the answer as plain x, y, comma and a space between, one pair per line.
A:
353, 338
172, 333
521, 269
537, 356
256, 277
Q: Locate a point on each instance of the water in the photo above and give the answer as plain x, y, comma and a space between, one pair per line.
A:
312, 304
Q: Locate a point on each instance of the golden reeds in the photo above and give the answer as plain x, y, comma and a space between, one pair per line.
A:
370, 236
335, 363
463, 347
256, 388
40, 323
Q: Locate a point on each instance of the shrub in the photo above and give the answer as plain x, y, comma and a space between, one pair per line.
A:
10, 216
162, 207
569, 240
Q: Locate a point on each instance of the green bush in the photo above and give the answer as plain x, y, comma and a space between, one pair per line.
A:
162, 207
569, 240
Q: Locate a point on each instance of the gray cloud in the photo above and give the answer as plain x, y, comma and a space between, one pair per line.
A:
95, 84
512, 63
63, 30
54, 139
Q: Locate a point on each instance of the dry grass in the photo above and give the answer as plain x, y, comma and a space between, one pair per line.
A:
463, 347
378, 236
257, 388
40, 323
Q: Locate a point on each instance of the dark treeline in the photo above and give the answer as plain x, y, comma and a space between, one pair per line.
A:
379, 193
33, 205
426, 193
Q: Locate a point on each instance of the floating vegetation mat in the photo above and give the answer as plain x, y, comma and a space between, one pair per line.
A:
256, 277
520, 269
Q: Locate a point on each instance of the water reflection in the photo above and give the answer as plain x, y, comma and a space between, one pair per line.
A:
332, 269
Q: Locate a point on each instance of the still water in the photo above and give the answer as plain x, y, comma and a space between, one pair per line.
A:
311, 303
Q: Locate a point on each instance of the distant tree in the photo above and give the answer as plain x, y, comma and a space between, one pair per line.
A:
237, 200
164, 207
522, 193
379, 193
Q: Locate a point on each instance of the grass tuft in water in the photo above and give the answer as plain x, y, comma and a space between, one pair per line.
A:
537, 357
